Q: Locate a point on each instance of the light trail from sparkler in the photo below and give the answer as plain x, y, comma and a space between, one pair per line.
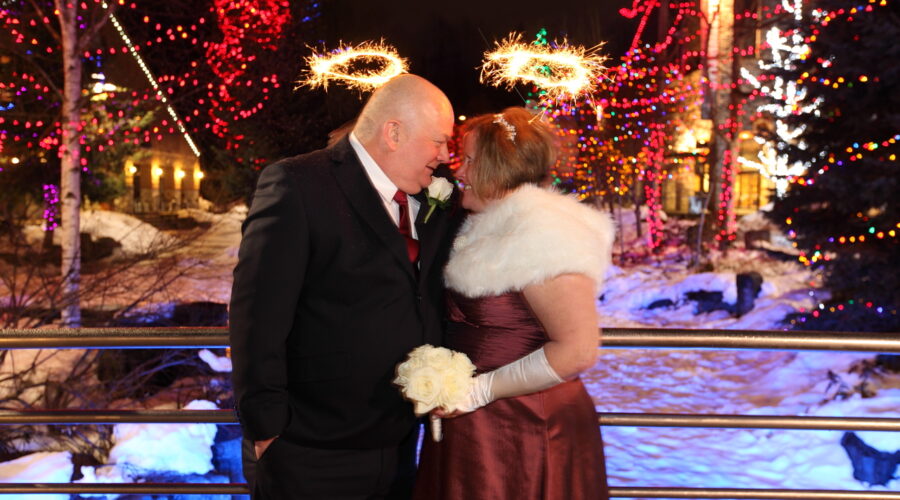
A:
563, 72
338, 66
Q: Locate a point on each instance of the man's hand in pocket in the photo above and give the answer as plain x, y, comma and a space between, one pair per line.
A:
260, 446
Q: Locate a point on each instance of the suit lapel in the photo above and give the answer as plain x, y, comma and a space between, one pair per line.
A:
352, 178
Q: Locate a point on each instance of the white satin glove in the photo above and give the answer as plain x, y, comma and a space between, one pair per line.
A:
526, 375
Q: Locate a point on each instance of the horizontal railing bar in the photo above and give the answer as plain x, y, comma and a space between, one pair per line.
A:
119, 338
629, 492
614, 492
611, 337
127, 488
749, 422
34, 417
751, 339
10, 417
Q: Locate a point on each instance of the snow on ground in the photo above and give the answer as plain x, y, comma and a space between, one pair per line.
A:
632, 380
628, 293
186, 448
134, 235
223, 237
54, 365
141, 449
46, 467
737, 383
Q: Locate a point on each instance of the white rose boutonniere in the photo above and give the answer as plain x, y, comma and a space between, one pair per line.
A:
438, 194
433, 377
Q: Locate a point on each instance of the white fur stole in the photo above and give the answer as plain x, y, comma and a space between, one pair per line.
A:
529, 236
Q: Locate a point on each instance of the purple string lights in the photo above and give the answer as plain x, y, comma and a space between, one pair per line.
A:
51, 207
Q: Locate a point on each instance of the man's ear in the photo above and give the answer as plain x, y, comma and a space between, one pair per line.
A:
391, 134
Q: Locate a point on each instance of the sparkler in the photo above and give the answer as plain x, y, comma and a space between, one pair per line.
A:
564, 72
364, 67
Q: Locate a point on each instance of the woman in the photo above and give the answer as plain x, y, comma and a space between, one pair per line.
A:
522, 281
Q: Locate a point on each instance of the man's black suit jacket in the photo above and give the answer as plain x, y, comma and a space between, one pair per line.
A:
325, 303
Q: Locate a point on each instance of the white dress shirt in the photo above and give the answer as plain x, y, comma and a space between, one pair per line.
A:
384, 186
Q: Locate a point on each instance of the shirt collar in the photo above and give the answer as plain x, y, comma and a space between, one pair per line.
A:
380, 180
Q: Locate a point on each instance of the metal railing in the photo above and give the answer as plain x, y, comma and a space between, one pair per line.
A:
124, 338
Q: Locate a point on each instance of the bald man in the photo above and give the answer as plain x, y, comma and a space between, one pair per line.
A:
329, 296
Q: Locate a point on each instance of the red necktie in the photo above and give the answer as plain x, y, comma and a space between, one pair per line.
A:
412, 245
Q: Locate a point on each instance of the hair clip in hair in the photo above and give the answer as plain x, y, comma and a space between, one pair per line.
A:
510, 128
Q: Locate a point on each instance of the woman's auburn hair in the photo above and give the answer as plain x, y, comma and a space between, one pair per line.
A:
502, 164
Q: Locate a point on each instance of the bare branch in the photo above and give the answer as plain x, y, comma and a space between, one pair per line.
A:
94, 27
37, 6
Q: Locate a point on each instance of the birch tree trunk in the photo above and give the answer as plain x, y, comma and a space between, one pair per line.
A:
723, 113
70, 165
718, 75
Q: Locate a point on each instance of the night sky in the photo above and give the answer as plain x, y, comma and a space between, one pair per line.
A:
444, 42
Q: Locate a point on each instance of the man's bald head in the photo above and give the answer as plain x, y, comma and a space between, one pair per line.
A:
404, 98
405, 128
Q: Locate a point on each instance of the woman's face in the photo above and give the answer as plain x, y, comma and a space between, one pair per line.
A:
470, 200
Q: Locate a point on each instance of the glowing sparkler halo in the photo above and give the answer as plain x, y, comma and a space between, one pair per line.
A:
564, 72
324, 68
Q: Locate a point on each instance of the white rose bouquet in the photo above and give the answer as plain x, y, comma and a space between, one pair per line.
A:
438, 194
433, 377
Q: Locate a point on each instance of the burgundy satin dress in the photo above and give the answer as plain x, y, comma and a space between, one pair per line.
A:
544, 445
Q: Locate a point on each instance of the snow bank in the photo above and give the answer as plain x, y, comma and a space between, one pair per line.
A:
627, 294
185, 448
221, 364
45, 467
135, 235
38, 366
